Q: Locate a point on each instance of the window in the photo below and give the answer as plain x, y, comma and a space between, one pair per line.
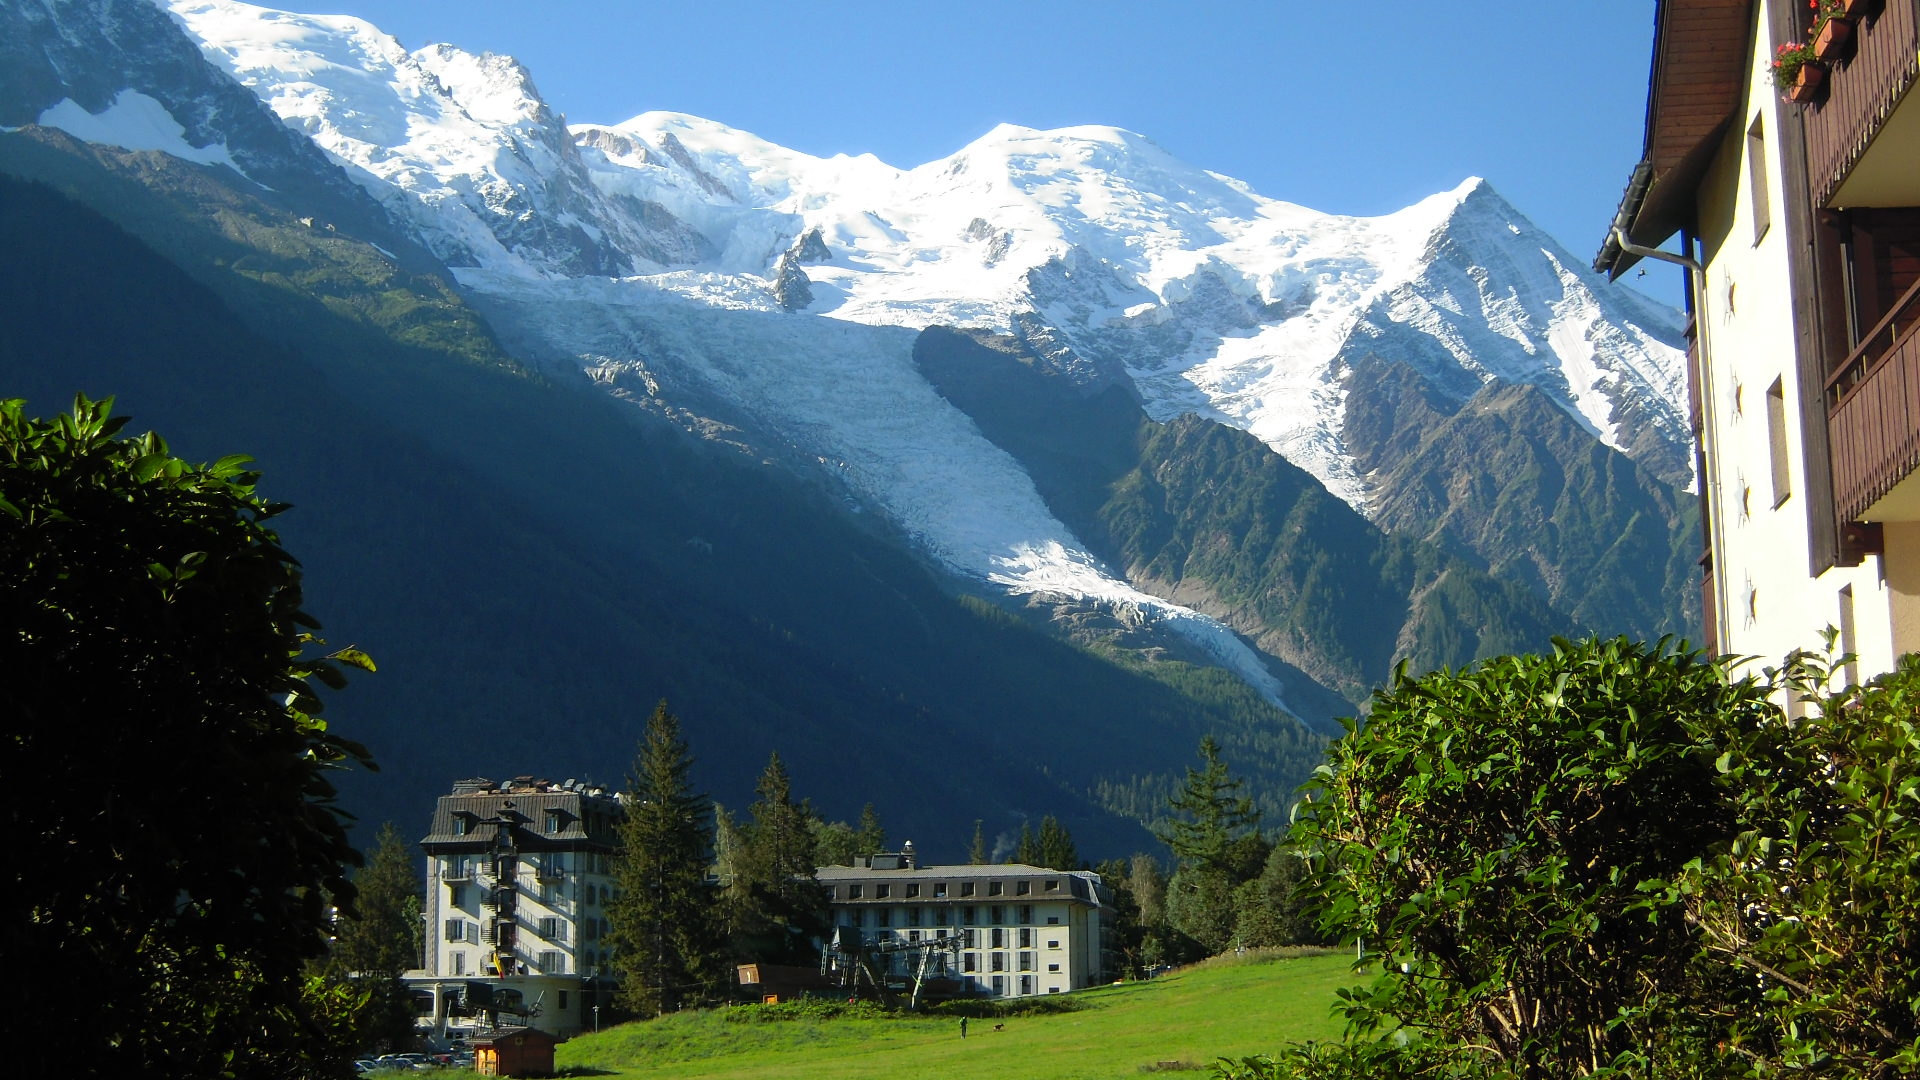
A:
966, 888
881, 892
1053, 885
456, 930
553, 929
1026, 961
940, 916
913, 935
1022, 888
553, 821
1053, 989
1757, 177
939, 890
969, 915
999, 914
552, 962
1026, 984
459, 963
1024, 913
563, 1001
999, 961
913, 916
995, 888
913, 890
999, 938
462, 824
971, 938
1053, 943
1053, 967
854, 892
1777, 441
1026, 938
457, 896
970, 961
883, 916
1000, 986
1053, 920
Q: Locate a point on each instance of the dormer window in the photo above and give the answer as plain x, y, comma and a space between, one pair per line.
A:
555, 822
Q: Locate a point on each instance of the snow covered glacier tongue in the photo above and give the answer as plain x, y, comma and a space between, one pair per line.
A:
848, 396
664, 256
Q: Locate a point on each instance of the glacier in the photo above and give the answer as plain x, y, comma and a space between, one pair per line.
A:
644, 256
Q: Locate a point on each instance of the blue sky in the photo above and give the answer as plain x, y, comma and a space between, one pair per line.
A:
1349, 108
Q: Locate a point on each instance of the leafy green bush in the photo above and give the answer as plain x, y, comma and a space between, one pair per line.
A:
1490, 835
1815, 904
1620, 860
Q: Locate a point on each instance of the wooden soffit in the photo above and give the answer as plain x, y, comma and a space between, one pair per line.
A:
1699, 76
1700, 66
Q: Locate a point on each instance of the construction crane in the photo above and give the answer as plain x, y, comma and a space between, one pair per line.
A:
848, 958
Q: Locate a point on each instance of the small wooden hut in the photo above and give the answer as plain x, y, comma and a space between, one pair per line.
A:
520, 1051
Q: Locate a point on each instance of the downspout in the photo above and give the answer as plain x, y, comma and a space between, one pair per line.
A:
1697, 280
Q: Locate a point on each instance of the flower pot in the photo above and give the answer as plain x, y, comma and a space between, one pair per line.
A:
1809, 84
1834, 38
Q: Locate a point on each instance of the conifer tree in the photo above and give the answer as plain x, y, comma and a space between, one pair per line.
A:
1055, 846
1214, 815
378, 938
977, 852
667, 941
869, 837
381, 934
775, 903
1026, 851
1216, 838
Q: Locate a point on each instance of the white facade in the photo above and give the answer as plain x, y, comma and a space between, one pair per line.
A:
1023, 930
519, 880
1740, 174
1755, 450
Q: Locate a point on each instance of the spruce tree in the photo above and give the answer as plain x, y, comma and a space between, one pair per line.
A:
776, 905
667, 941
1055, 846
869, 837
1026, 851
977, 852
379, 937
1214, 816
1217, 841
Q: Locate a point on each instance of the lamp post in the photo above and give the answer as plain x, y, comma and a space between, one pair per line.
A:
596, 1019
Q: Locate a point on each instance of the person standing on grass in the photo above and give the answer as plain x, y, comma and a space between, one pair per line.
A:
963, 1027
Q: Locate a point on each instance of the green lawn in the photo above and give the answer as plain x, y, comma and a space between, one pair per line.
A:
1225, 1008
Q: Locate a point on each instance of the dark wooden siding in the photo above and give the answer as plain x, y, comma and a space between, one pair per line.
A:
1875, 424
1861, 94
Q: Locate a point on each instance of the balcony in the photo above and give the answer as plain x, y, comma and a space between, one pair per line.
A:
1862, 140
456, 875
1873, 422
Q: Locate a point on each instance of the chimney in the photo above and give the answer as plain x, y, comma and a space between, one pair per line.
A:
912, 860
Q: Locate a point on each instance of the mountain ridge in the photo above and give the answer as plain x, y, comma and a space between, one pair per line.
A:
1271, 451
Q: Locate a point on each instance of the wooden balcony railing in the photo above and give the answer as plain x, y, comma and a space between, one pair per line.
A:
1861, 94
1873, 402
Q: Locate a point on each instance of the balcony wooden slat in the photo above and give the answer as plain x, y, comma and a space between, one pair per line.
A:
1875, 430
1861, 94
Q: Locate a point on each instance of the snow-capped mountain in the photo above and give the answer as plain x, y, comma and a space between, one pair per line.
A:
1093, 243
706, 274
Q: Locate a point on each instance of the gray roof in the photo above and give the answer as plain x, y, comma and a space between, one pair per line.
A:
1084, 885
585, 820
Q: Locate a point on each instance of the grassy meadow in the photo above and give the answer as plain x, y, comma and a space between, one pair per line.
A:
1226, 1007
